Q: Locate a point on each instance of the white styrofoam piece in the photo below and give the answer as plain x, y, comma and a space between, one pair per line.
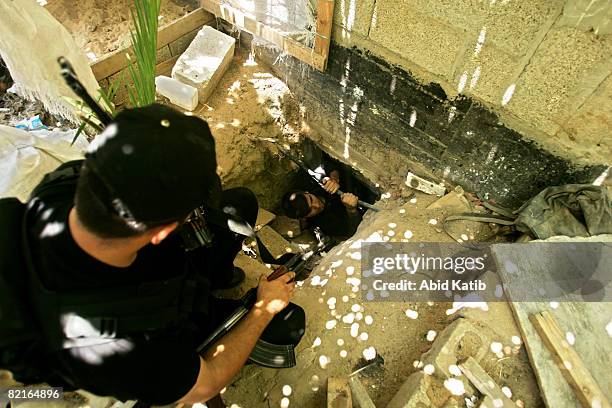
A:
426, 186
180, 94
205, 60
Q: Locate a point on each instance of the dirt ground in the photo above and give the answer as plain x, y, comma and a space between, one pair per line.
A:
251, 102
102, 26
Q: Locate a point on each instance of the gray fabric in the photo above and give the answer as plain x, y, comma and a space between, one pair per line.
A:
571, 210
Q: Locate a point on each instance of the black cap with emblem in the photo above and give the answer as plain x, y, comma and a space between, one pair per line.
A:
156, 164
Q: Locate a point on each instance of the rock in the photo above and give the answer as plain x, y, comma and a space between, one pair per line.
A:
287, 227
264, 217
459, 340
413, 393
275, 243
452, 203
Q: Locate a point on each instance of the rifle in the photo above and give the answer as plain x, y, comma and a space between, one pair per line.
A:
77, 87
264, 353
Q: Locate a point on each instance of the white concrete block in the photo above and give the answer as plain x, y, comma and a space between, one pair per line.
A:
180, 94
205, 61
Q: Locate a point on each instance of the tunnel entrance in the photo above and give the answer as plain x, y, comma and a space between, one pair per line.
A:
307, 215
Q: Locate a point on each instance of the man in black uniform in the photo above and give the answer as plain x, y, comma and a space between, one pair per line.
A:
337, 216
141, 178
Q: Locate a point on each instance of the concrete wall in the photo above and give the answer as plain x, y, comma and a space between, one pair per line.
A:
544, 66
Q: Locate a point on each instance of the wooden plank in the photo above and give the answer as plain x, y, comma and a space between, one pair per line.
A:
569, 362
248, 23
338, 393
184, 25
325, 16
165, 67
116, 61
360, 394
484, 383
522, 266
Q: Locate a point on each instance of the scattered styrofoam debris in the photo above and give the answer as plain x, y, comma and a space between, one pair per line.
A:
429, 369
330, 324
354, 329
431, 335
369, 353
316, 342
496, 347
570, 338
314, 383
455, 386
432, 221
516, 340
348, 318
343, 353
369, 320
507, 391
412, 314
324, 361
454, 370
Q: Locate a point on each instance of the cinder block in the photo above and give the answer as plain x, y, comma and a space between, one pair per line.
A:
511, 25
413, 393
420, 38
205, 61
355, 16
588, 15
555, 73
456, 342
488, 74
287, 227
587, 132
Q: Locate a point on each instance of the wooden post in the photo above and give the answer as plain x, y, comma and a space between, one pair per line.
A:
576, 374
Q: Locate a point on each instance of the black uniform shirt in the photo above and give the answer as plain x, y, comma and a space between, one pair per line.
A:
335, 220
157, 370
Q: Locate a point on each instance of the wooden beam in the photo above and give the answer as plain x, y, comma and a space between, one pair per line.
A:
569, 362
325, 16
116, 61
484, 383
338, 393
294, 48
360, 394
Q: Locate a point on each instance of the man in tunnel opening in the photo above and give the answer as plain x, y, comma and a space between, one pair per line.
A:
116, 226
336, 215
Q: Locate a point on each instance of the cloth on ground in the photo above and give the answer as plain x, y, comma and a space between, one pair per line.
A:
25, 157
571, 210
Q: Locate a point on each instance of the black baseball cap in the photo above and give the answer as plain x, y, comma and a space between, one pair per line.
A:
156, 164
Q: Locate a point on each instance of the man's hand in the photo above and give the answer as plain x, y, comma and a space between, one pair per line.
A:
330, 185
274, 296
350, 201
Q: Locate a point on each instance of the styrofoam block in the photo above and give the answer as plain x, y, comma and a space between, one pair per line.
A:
205, 61
180, 94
